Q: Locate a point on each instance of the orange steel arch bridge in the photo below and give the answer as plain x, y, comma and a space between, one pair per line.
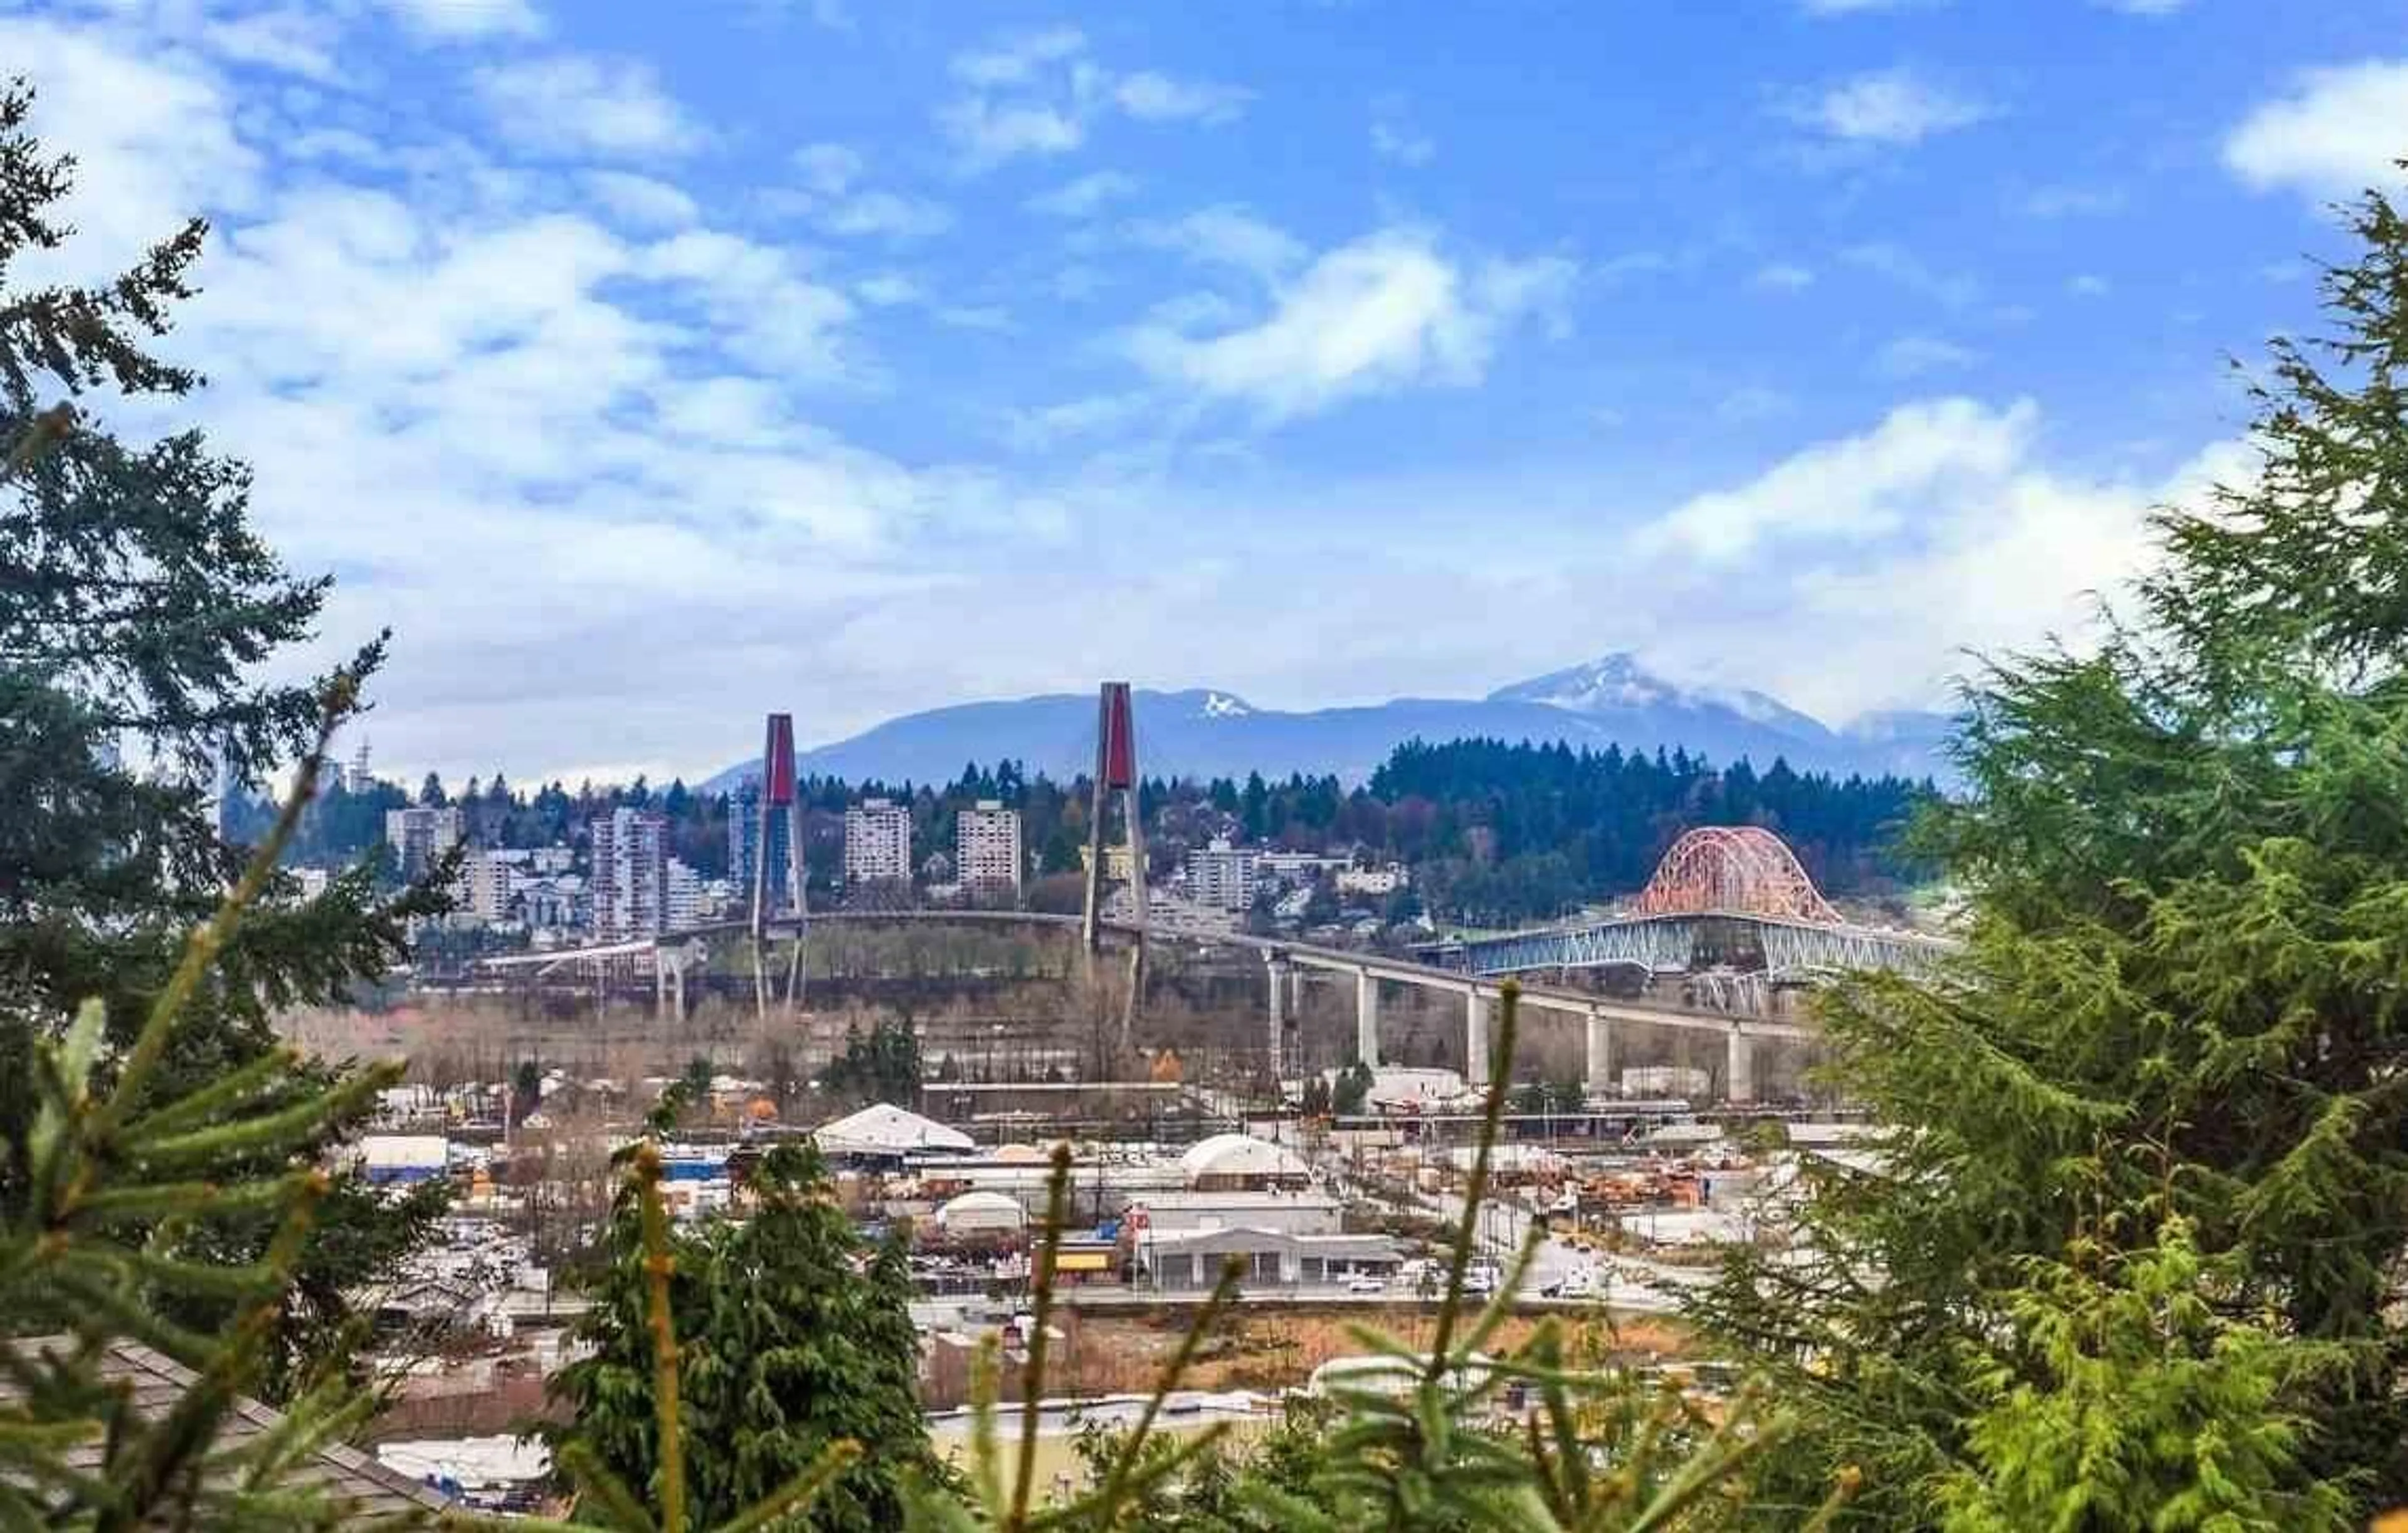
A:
1715, 877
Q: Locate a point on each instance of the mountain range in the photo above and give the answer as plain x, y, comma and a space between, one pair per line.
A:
1209, 733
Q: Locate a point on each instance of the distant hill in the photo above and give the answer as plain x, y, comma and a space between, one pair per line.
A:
1206, 734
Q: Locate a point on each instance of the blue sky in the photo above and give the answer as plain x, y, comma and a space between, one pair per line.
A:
647, 368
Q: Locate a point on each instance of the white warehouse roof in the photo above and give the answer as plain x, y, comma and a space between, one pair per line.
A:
1239, 1155
885, 1129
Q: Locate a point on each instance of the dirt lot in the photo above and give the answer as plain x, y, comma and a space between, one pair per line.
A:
1262, 1348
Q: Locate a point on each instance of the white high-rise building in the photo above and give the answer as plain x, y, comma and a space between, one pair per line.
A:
1223, 877
419, 835
684, 895
986, 847
630, 881
489, 880
877, 841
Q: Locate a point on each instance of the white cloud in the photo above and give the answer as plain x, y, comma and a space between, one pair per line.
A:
2087, 285
1783, 277
887, 289
989, 133
574, 104
1036, 94
1858, 489
296, 42
1392, 140
1888, 107
152, 138
889, 214
2142, 7
2337, 133
2006, 553
1385, 312
1049, 425
641, 200
1019, 60
1153, 97
1227, 236
464, 19
1084, 197
1912, 356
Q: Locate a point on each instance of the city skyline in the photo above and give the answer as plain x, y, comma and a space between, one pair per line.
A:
1792, 345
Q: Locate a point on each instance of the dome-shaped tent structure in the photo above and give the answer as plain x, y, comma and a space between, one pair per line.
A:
1229, 1162
981, 1214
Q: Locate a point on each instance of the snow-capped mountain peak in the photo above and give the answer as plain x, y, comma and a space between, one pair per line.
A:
1618, 685
1220, 705
1611, 681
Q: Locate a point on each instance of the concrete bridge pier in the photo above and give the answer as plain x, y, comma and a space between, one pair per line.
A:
669, 983
1275, 964
1367, 1018
1600, 1073
1475, 1038
1739, 1082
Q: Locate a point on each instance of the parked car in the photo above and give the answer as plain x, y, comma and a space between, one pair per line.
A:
1363, 1283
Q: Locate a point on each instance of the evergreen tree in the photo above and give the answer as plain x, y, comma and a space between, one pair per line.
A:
787, 1343
135, 603
2149, 1150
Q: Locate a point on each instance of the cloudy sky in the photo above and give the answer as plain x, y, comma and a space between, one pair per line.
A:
645, 367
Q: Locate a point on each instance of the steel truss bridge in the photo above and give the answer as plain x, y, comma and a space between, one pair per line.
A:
1719, 887
1671, 944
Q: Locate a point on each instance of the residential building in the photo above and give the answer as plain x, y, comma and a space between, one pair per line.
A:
489, 880
630, 874
421, 835
877, 843
1223, 877
683, 896
744, 847
1379, 882
986, 846
1296, 866
546, 861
